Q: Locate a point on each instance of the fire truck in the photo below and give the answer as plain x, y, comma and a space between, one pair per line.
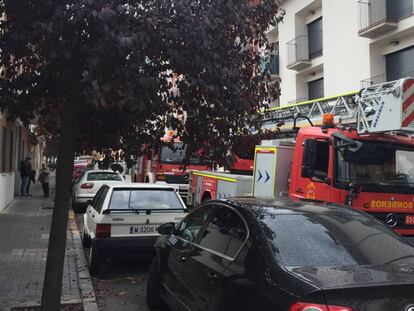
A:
166, 163
355, 149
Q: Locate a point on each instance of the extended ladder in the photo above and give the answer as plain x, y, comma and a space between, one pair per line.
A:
380, 108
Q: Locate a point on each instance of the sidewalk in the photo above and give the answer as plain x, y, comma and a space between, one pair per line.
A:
24, 234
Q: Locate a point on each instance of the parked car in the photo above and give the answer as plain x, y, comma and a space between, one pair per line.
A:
280, 255
125, 217
79, 167
88, 184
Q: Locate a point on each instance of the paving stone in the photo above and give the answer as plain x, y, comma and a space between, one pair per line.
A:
24, 231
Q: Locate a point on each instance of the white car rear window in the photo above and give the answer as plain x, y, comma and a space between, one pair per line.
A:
144, 199
104, 176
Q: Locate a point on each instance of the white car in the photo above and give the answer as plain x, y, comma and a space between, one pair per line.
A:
88, 184
126, 217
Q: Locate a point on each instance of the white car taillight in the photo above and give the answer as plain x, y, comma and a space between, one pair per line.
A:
88, 185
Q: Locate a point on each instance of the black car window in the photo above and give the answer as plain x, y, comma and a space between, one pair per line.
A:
332, 240
225, 233
191, 225
101, 198
97, 195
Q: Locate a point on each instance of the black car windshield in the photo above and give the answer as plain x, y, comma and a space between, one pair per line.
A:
104, 176
175, 154
332, 240
382, 167
144, 199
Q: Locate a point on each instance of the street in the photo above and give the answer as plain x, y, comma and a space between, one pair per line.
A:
121, 284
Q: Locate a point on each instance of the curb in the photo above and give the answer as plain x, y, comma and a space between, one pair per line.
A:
84, 279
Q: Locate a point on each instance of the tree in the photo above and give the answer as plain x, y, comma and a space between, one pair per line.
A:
116, 72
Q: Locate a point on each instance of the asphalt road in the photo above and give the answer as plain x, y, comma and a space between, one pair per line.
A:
121, 285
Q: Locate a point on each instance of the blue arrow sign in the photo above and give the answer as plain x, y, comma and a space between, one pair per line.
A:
260, 175
267, 177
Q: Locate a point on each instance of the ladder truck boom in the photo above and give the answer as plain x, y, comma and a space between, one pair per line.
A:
386, 107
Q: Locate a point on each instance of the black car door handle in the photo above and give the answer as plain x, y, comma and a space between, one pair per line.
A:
212, 276
182, 259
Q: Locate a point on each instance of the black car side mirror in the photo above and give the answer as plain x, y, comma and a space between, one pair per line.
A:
167, 228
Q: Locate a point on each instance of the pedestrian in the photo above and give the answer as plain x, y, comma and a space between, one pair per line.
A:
44, 180
25, 173
32, 179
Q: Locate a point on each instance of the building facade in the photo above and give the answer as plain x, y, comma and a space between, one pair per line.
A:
331, 47
16, 143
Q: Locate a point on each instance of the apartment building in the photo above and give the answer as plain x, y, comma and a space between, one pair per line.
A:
16, 143
331, 47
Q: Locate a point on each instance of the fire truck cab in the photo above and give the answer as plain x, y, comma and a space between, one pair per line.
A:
372, 173
167, 164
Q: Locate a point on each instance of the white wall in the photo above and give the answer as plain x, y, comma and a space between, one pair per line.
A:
6, 189
346, 56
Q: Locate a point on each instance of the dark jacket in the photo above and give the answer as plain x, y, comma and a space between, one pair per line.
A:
25, 169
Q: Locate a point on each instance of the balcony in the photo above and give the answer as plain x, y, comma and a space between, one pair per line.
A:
270, 63
376, 17
298, 53
385, 78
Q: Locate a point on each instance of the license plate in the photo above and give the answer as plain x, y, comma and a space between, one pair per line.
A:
142, 229
409, 220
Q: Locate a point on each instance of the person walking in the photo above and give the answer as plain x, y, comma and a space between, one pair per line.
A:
25, 173
44, 180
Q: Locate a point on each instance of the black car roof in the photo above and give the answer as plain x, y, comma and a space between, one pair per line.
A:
285, 205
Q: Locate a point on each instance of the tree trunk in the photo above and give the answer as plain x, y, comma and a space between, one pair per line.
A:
52, 286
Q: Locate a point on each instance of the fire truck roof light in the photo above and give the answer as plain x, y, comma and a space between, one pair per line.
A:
328, 120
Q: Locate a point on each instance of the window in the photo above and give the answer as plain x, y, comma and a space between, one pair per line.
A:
225, 233
99, 198
400, 64
399, 9
11, 168
4, 150
315, 89
322, 159
315, 37
191, 225
104, 176
145, 199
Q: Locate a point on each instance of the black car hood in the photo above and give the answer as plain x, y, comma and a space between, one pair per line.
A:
356, 276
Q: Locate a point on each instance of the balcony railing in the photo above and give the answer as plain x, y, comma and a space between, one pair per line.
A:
385, 78
378, 16
297, 100
298, 53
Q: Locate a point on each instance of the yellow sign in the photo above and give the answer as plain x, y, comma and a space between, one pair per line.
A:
391, 204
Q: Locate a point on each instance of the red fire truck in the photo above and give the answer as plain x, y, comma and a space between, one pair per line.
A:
166, 163
354, 149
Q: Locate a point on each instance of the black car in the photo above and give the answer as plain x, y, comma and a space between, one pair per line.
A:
279, 255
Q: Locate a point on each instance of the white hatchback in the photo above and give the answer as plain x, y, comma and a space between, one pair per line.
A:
88, 184
125, 217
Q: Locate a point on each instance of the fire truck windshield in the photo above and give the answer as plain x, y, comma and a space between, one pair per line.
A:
377, 167
175, 154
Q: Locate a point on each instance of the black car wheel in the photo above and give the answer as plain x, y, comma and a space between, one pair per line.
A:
154, 300
86, 240
75, 206
94, 261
